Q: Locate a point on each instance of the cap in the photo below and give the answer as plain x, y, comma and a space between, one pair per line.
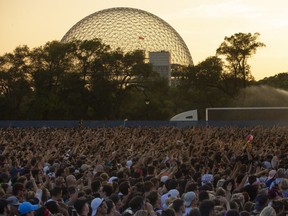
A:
189, 197
207, 178
173, 193
129, 163
95, 204
13, 200
164, 178
113, 178
27, 207
46, 169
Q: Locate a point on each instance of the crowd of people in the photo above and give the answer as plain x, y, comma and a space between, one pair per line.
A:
141, 171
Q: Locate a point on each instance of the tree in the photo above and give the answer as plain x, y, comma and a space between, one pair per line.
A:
86, 53
278, 81
237, 49
49, 66
15, 87
124, 72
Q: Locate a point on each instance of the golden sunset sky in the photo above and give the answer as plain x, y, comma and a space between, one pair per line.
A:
203, 24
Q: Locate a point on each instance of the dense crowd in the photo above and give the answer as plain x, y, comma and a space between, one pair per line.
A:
144, 171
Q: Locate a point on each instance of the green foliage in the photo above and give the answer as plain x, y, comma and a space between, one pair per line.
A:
15, 86
88, 80
77, 80
278, 81
237, 49
202, 86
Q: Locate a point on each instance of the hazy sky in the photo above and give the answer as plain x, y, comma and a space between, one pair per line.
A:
203, 24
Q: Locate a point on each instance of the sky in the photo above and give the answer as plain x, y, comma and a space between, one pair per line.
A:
203, 24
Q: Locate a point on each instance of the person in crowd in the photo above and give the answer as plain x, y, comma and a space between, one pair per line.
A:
81, 206
206, 208
190, 201
27, 209
178, 206
13, 204
4, 208
99, 207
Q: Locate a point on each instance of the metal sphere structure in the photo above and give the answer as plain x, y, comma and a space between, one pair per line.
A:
131, 29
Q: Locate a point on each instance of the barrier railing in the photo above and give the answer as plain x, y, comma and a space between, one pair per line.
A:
95, 124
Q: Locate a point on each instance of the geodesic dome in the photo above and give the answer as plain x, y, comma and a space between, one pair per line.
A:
131, 29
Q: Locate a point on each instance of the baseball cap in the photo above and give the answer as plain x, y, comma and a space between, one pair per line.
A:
13, 200
95, 205
129, 163
207, 178
164, 178
189, 197
173, 193
113, 178
27, 207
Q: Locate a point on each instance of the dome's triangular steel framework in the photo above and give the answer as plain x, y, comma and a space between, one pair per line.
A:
130, 29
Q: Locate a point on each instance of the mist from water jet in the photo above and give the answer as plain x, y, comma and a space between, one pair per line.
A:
261, 96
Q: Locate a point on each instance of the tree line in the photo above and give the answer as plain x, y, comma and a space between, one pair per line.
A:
90, 81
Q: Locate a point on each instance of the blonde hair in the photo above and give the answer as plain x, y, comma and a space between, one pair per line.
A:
169, 201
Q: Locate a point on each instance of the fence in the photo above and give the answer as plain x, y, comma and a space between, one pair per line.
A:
95, 124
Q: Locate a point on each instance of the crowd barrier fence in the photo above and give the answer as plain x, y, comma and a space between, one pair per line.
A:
124, 123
